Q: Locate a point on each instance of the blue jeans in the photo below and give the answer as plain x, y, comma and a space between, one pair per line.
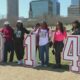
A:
44, 50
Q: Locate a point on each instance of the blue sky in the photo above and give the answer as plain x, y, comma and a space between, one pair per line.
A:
24, 7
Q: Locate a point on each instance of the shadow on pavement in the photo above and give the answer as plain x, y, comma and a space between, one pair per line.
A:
50, 68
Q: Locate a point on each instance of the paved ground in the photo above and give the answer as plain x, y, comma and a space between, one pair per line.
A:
15, 72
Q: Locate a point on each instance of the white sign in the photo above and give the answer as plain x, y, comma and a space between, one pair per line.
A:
1, 47
30, 51
71, 52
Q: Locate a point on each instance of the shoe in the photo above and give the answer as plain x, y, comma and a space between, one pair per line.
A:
56, 66
22, 62
45, 65
19, 62
4, 61
59, 65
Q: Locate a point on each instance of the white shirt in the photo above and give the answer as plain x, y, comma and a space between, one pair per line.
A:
43, 37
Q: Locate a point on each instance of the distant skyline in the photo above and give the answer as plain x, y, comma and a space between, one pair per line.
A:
24, 7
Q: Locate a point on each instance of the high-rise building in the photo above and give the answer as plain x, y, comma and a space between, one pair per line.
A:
75, 2
44, 7
12, 9
56, 7
74, 9
40, 8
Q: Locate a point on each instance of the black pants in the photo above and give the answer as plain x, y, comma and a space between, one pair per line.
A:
19, 49
37, 49
8, 47
58, 46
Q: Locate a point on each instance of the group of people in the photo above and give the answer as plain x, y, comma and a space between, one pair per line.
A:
13, 41
44, 41
57, 40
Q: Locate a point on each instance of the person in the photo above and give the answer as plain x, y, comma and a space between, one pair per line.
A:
19, 32
75, 28
34, 32
36, 28
58, 39
43, 35
7, 33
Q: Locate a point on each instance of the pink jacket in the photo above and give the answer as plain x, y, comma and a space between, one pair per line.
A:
59, 36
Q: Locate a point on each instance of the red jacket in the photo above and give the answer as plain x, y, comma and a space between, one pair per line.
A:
7, 33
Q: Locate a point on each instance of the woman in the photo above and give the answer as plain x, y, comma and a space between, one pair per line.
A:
43, 35
18, 41
59, 36
75, 28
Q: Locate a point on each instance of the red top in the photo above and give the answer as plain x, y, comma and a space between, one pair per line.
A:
7, 33
59, 36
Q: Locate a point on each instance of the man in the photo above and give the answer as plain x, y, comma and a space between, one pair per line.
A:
7, 33
18, 41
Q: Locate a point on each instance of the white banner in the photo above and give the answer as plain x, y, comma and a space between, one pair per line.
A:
30, 51
1, 47
71, 52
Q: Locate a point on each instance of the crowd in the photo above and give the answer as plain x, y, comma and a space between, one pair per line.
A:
14, 38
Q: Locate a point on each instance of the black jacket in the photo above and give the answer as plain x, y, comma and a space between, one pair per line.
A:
76, 32
19, 35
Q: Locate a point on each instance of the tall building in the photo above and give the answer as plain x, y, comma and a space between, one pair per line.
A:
74, 9
12, 9
56, 7
44, 7
75, 2
40, 8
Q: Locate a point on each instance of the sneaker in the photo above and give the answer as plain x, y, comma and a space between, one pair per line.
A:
19, 62
45, 66
56, 66
22, 62
38, 64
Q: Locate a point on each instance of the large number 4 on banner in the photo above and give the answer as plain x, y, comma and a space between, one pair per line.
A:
71, 52
30, 51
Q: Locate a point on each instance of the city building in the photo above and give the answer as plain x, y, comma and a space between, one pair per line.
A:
56, 7
44, 7
12, 9
75, 2
74, 9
